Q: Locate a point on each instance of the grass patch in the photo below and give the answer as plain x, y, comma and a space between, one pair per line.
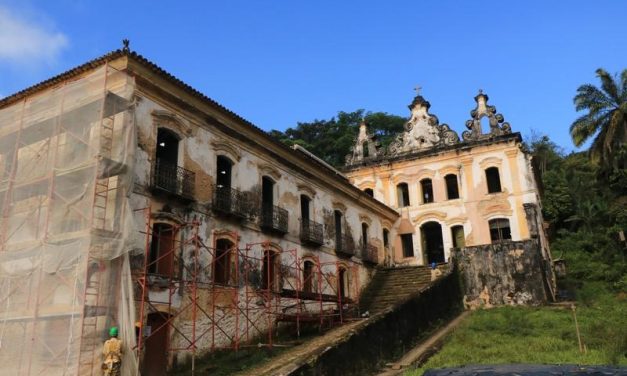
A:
541, 335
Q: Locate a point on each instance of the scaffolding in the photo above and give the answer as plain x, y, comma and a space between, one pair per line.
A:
64, 274
266, 287
69, 235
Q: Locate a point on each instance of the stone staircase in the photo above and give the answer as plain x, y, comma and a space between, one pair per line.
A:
389, 288
392, 286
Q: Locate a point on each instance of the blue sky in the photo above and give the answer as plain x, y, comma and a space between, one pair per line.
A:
280, 62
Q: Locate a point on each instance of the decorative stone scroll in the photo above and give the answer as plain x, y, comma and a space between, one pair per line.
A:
422, 131
498, 125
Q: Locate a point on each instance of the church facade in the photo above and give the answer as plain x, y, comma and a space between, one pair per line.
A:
450, 192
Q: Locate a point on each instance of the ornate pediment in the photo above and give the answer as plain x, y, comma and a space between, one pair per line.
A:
422, 131
498, 125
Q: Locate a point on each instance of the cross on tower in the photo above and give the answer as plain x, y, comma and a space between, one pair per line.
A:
418, 88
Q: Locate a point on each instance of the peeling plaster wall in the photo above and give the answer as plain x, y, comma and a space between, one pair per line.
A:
508, 273
199, 146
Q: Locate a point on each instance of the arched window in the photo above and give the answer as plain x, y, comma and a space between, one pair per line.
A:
270, 270
166, 161
427, 191
308, 276
222, 261
369, 192
342, 282
452, 189
224, 168
364, 234
402, 193
162, 249
386, 238
500, 230
493, 179
338, 229
167, 147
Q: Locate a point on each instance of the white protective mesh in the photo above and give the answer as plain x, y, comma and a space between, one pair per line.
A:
66, 162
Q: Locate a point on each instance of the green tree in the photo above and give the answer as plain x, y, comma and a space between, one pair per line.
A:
332, 139
605, 120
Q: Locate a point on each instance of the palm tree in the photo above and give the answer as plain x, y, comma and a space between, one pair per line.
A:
606, 117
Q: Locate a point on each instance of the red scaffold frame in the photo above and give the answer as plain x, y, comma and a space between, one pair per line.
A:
265, 288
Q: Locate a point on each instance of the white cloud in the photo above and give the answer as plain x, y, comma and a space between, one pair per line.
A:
26, 42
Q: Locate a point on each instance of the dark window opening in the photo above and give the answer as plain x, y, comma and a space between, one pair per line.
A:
427, 191
432, 242
167, 147
224, 167
364, 234
402, 192
386, 238
342, 283
452, 189
338, 229
494, 180
304, 207
222, 261
308, 276
267, 193
269, 280
364, 149
369, 192
500, 230
408, 245
459, 240
162, 249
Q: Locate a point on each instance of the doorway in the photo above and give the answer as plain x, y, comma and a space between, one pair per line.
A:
432, 242
156, 346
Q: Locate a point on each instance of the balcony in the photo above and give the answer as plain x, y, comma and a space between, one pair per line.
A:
311, 232
174, 180
274, 219
370, 253
231, 202
346, 246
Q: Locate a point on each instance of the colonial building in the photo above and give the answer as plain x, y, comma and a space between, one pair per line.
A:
128, 198
450, 193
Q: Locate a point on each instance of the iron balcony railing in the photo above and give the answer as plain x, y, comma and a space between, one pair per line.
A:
274, 218
370, 253
173, 179
311, 232
346, 245
230, 201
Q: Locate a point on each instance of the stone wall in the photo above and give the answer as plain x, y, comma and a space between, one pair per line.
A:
510, 272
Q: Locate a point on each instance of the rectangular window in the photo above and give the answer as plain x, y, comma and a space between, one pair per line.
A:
402, 192
493, 179
408, 245
500, 230
452, 190
427, 191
